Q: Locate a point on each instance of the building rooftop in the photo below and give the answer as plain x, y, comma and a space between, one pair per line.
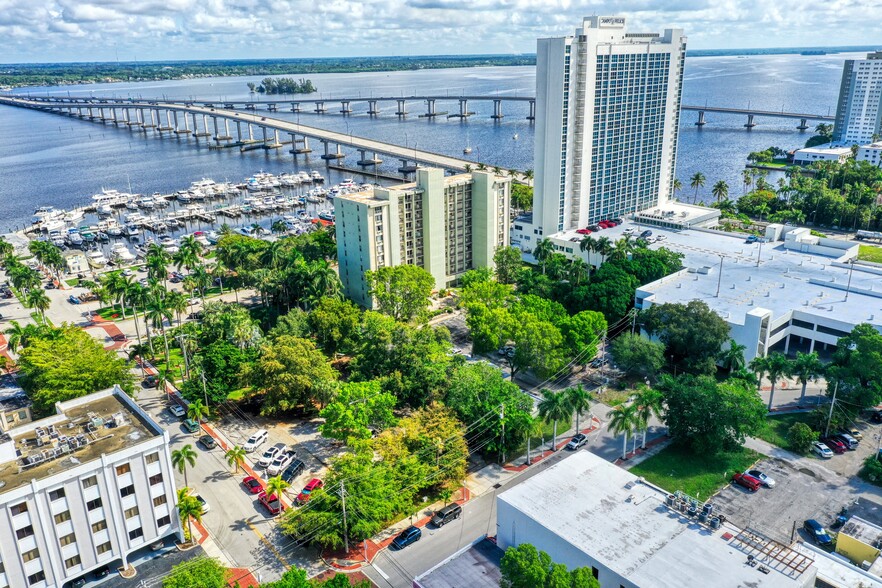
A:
615, 518
476, 566
83, 429
826, 149
863, 531
12, 397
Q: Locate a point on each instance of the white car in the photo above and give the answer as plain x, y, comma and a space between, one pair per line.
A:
193, 301
255, 440
270, 454
629, 231
280, 462
767, 481
177, 410
205, 506
821, 450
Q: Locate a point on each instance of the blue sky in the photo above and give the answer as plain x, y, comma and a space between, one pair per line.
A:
106, 30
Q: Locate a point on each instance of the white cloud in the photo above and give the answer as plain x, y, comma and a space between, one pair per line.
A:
48, 30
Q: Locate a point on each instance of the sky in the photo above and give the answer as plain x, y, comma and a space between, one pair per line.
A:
141, 30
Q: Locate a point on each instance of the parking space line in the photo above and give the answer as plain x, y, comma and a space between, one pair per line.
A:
381, 572
267, 542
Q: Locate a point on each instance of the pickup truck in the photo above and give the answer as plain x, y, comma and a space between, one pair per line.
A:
272, 503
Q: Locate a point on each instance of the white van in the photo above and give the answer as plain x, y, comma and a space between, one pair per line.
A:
256, 440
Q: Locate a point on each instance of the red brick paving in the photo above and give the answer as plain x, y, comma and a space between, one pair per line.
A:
244, 577
649, 444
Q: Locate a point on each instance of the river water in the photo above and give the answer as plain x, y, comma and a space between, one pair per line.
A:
53, 160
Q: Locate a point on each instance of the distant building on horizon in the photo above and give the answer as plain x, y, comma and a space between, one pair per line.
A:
607, 118
859, 110
445, 224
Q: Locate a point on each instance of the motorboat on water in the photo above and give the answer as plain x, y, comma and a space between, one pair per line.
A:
102, 236
121, 253
74, 237
56, 238
45, 213
111, 197
316, 177
53, 224
88, 234
303, 215
132, 230
104, 210
132, 205
146, 202
96, 259
212, 237
326, 215
72, 216
183, 196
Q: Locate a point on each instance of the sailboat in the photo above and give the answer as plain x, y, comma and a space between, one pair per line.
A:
468, 147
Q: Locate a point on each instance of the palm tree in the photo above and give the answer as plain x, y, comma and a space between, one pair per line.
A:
202, 278
323, 282
235, 456
532, 429
468, 167
157, 313
543, 252
136, 296
176, 302
696, 181
622, 421
649, 404
604, 246
189, 252
18, 336
197, 411
762, 209
774, 366
720, 190
579, 400
189, 507
276, 485
578, 271
733, 357
587, 244
678, 185
746, 179
806, 367
278, 226
183, 458
37, 298
553, 408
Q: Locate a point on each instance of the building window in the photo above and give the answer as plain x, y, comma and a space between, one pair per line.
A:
123, 469
127, 491
131, 512
19, 508
160, 500
595, 572
56, 494
154, 480
135, 533
103, 548
163, 521
153, 457
62, 517
67, 539
93, 504
30, 555
99, 526
89, 482
24, 532
35, 578
22, 415
10, 418
71, 562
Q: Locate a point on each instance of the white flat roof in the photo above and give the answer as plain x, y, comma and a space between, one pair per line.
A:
825, 150
598, 508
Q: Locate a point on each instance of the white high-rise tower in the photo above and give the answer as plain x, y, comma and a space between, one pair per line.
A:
859, 113
608, 110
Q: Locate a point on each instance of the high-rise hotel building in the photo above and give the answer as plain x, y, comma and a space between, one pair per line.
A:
859, 111
608, 110
444, 224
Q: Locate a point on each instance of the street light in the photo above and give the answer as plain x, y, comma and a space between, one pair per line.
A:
720, 277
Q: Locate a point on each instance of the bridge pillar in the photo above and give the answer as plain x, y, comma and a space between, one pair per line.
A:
406, 168
749, 124
216, 131
90, 113
250, 132
101, 113
430, 107
227, 136
272, 107
365, 162
532, 114
803, 124
402, 107
464, 108
497, 109
263, 129
239, 131
372, 108
344, 107
275, 140
295, 150
328, 156
701, 122
320, 107
295, 107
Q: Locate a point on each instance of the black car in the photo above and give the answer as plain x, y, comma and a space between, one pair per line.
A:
50, 286
101, 572
876, 417
645, 234
207, 441
406, 537
294, 469
150, 381
451, 512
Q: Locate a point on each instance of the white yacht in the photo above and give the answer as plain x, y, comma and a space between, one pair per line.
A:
122, 254
104, 210
110, 197
316, 177
56, 238
53, 224
146, 202
134, 217
132, 205
96, 259
304, 177
74, 237
45, 213
132, 231
72, 216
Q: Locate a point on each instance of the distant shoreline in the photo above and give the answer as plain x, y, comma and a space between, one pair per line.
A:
85, 73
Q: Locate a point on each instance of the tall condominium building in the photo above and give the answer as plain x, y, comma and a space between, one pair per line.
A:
81, 490
608, 110
859, 111
444, 224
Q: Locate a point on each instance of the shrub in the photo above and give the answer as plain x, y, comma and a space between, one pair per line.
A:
801, 437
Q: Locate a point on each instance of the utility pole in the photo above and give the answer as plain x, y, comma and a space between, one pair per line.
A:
633, 320
502, 420
720, 277
850, 271
181, 337
345, 531
204, 391
830, 414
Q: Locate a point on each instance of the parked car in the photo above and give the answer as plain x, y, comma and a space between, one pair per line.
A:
766, 481
294, 469
252, 484
191, 426
207, 441
272, 503
752, 239
577, 441
150, 381
280, 462
834, 444
747, 481
73, 299
256, 440
193, 300
205, 506
629, 231
101, 572
817, 532
270, 454
50, 286
646, 233
406, 537
177, 410
876, 417
850, 442
856, 433
313, 484
821, 450
584, 231
451, 512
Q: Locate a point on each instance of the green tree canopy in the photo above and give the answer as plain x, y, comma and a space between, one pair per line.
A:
857, 366
202, 572
526, 567
692, 333
401, 291
357, 408
508, 263
582, 334
335, 324
638, 355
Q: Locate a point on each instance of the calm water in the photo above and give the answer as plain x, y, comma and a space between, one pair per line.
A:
52, 160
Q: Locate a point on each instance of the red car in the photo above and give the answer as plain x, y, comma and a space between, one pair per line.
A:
835, 445
272, 503
313, 484
252, 484
747, 481
584, 231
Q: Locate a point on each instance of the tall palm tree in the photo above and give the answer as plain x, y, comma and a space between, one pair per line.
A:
323, 282
579, 400
732, 358
774, 366
37, 298
553, 408
622, 421
276, 485
182, 459
190, 251
136, 296
720, 190
157, 313
176, 302
202, 278
278, 226
696, 181
197, 411
678, 185
219, 271
806, 367
746, 180
604, 246
578, 271
543, 252
649, 403
587, 244
235, 456
189, 507
157, 261
18, 336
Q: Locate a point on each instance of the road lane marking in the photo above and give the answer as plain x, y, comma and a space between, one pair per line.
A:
381, 572
268, 544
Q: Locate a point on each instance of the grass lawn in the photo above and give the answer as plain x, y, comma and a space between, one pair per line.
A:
237, 394
777, 426
678, 468
177, 361
870, 253
72, 282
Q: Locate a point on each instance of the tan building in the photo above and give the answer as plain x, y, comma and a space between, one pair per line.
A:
444, 224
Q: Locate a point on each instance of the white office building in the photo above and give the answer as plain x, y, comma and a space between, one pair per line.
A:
871, 153
81, 490
859, 110
607, 116
828, 152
